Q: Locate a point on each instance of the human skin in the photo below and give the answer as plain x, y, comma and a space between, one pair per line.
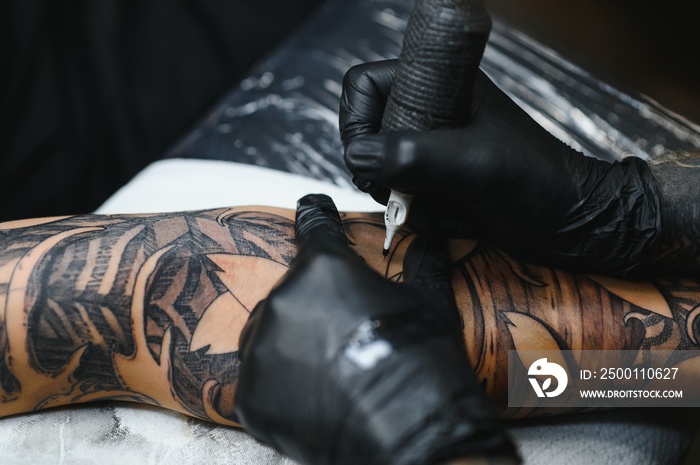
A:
149, 308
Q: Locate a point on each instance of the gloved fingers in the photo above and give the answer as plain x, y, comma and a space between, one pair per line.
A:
442, 215
427, 263
412, 161
318, 224
365, 92
365, 157
378, 193
427, 270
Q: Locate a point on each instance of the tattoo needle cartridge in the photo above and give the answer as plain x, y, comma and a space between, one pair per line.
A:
395, 216
443, 45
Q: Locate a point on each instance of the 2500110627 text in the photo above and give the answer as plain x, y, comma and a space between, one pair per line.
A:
638, 373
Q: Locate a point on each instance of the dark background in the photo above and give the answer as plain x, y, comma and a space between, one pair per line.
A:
93, 90
639, 46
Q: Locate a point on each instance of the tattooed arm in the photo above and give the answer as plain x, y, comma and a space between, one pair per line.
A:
144, 308
148, 308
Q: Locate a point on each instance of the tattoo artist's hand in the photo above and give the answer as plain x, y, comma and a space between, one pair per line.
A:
503, 177
340, 366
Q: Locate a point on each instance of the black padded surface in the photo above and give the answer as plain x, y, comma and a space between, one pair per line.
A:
284, 114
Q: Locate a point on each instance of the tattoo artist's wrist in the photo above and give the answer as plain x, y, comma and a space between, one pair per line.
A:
676, 178
614, 226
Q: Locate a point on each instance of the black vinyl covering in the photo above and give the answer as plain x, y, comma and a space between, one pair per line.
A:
283, 115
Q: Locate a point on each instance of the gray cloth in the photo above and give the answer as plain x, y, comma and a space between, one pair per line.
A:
122, 433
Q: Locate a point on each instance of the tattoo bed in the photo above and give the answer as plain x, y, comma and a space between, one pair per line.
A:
273, 139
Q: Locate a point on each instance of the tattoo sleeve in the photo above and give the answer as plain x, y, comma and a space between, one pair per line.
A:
676, 176
509, 305
148, 308
143, 308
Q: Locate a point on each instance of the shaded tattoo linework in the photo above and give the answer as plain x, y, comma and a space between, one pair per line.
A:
174, 273
149, 307
511, 305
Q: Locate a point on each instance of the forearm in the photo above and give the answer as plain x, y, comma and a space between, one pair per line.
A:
510, 305
145, 308
149, 308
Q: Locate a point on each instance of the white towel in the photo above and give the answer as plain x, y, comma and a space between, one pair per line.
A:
188, 184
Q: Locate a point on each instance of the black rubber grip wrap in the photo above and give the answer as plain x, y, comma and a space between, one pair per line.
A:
442, 49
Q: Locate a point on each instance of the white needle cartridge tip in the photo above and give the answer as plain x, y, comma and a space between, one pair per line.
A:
395, 216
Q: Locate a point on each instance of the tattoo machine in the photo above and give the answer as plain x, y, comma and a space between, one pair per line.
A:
442, 48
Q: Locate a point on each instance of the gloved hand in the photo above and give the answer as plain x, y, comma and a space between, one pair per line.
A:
340, 366
504, 177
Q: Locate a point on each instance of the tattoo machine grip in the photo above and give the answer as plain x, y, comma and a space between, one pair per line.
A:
442, 48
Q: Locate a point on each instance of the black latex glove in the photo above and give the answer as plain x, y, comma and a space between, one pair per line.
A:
340, 366
504, 177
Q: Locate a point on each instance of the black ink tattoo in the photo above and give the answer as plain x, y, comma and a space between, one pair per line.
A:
104, 293
149, 307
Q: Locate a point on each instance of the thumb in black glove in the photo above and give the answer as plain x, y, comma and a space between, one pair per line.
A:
340, 366
504, 177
